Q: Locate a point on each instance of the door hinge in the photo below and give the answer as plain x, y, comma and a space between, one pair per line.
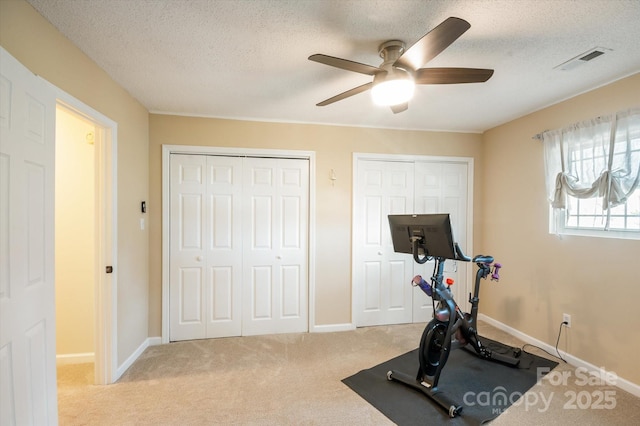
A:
109, 269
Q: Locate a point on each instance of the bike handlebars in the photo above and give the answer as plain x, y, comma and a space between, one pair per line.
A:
483, 261
459, 254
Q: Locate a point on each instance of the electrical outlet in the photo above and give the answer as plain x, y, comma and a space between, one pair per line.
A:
566, 318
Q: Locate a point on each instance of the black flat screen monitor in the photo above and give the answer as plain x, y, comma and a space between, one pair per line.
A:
433, 231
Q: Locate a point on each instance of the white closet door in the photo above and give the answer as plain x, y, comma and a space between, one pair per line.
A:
239, 246
441, 187
381, 278
206, 247
223, 249
275, 235
28, 393
187, 267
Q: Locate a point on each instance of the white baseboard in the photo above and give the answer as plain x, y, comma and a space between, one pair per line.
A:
132, 358
154, 341
329, 328
623, 384
83, 358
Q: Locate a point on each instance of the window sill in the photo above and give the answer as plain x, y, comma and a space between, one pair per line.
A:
598, 233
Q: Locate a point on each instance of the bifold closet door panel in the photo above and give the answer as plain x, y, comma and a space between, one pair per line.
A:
275, 236
206, 247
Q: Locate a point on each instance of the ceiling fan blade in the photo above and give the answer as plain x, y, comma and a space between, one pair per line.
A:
432, 43
346, 94
345, 64
399, 108
452, 75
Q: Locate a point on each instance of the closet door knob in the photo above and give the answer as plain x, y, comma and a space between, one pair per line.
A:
199, 258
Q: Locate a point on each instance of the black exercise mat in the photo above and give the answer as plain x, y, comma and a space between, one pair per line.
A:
484, 388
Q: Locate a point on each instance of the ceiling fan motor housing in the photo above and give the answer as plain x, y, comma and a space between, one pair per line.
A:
390, 51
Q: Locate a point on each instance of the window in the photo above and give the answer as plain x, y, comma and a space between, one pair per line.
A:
593, 177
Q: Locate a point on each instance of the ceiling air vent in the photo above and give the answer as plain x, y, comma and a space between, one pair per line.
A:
582, 58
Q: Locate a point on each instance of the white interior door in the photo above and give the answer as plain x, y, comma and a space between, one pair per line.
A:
381, 278
238, 246
223, 246
275, 234
187, 247
28, 393
441, 187
206, 247
382, 293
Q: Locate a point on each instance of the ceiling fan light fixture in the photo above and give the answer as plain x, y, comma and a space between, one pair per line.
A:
393, 91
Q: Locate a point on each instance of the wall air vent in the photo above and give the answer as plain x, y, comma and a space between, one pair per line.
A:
582, 58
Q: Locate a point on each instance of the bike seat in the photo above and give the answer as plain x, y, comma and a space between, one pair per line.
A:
483, 259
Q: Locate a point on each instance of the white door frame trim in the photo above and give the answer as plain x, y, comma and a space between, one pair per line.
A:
167, 150
106, 142
357, 156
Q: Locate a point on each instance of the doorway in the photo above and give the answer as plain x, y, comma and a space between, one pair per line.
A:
27, 253
75, 241
88, 166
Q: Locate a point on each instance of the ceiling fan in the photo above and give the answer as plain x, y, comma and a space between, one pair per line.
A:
394, 81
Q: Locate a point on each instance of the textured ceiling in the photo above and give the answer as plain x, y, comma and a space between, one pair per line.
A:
247, 59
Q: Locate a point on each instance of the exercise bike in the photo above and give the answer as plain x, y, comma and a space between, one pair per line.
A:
430, 238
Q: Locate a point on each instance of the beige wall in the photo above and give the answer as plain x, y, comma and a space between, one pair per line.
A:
595, 280
75, 235
32, 40
334, 147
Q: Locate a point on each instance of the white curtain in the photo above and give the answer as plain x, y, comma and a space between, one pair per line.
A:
594, 158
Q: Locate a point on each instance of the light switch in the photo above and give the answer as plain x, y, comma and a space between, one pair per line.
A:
142, 224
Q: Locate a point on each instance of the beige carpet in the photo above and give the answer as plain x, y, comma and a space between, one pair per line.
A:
295, 379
